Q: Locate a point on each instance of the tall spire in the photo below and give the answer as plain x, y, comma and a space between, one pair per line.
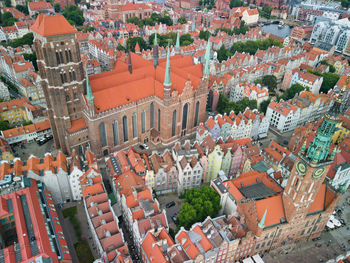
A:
206, 60
262, 221
167, 79
155, 42
89, 95
155, 51
318, 151
177, 46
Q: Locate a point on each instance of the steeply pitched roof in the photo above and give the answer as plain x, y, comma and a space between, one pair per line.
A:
52, 25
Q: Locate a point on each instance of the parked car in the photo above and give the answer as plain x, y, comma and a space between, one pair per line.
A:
144, 146
316, 239
170, 204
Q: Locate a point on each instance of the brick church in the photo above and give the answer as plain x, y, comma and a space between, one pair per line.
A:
138, 101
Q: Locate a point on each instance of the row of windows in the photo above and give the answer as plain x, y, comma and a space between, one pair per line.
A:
64, 78
102, 126
59, 56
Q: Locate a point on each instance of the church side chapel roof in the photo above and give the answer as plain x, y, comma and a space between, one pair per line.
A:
118, 87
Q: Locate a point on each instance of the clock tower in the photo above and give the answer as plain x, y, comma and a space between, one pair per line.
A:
311, 167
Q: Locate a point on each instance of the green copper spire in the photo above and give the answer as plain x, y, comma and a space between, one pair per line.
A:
206, 60
155, 43
89, 95
207, 50
318, 151
262, 221
177, 46
167, 79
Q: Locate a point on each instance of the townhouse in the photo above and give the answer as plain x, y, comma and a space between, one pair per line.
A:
190, 170
17, 111
27, 133
308, 80
250, 91
102, 220
4, 91
165, 174
249, 124
282, 116
35, 8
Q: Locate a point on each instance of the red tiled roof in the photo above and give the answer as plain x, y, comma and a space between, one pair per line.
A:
39, 5
275, 210
52, 25
77, 125
118, 87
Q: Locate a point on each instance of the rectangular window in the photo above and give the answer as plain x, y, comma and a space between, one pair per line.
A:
143, 122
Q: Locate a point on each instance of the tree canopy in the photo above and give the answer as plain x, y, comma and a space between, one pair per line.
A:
8, 3
270, 81
290, 93
151, 21
27, 39
226, 106
208, 4
265, 12
73, 14
199, 204
170, 39
23, 9
264, 105
131, 43
204, 34
248, 47
7, 19
235, 3
32, 58
242, 29
4, 125
57, 7
182, 20
329, 80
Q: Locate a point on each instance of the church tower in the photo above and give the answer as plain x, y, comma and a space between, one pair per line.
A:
61, 70
311, 167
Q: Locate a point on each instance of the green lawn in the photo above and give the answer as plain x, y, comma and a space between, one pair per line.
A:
111, 197
70, 212
83, 251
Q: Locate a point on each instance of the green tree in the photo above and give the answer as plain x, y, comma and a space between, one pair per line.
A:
90, 29
266, 11
23, 9
120, 47
74, 14
166, 20
32, 58
223, 54
87, 5
235, 3
186, 40
27, 39
345, 3
4, 125
131, 43
8, 19
225, 106
8, 3
182, 20
204, 34
270, 81
199, 204
329, 81
57, 7
264, 105
134, 20
292, 91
